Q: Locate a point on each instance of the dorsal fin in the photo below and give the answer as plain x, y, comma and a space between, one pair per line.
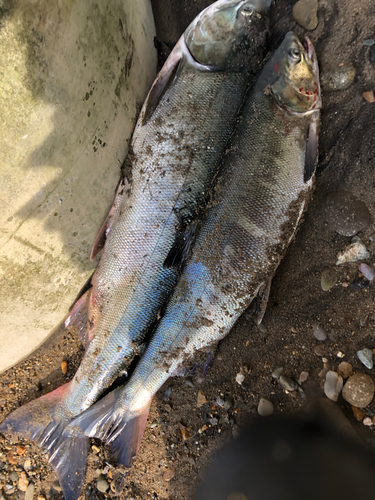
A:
161, 84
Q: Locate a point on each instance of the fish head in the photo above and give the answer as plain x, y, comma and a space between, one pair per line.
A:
227, 34
295, 75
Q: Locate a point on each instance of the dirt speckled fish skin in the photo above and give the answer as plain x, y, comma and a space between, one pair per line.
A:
262, 190
176, 148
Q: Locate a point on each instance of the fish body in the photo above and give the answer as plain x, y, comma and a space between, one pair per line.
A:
262, 190
176, 148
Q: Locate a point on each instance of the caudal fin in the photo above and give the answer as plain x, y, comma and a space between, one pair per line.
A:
120, 430
43, 421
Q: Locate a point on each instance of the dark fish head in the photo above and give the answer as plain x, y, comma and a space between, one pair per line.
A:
227, 35
294, 75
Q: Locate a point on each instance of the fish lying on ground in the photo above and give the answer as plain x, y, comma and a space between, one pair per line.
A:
262, 190
176, 149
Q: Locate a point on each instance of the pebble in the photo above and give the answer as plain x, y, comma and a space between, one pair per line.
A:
368, 421
213, 421
167, 408
345, 213
328, 279
189, 383
303, 377
201, 399
338, 77
21, 449
352, 253
320, 350
333, 385
13, 476
265, 407
12, 457
319, 333
154, 424
30, 492
102, 484
41, 497
359, 390
305, 13
118, 483
240, 378
23, 482
228, 403
288, 383
169, 474
95, 448
369, 96
64, 367
345, 369
367, 271
358, 413
369, 42
278, 372
366, 356
220, 401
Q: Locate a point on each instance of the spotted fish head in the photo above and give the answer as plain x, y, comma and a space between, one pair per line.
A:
228, 34
295, 80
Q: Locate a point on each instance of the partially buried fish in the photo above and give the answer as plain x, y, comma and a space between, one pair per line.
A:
176, 147
262, 190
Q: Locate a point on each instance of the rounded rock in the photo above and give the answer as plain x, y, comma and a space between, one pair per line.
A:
23, 482
13, 476
328, 279
367, 271
102, 484
366, 357
265, 407
345, 213
338, 78
319, 333
30, 492
333, 385
345, 369
305, 13
359, 390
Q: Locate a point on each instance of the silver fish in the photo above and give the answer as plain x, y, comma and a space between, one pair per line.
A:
262, 190
176, 147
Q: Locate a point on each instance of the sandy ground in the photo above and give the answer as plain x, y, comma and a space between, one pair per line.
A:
168, 466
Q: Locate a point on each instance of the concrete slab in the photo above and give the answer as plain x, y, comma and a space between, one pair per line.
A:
73, 74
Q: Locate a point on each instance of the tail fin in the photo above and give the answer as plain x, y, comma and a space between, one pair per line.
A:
118, 428
43, 421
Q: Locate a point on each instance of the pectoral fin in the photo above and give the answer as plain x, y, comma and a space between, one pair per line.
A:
259, 304
182, 247
311, 156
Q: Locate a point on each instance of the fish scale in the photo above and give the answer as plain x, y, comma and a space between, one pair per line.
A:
262, 189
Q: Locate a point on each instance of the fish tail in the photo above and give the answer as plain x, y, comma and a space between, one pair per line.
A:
43, 421
121, 430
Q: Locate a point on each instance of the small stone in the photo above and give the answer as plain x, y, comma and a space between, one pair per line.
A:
95, 448
340, 354
13, 476
352, 253
320, 350
23, 482
21, 449
368, 421
303, 377
358, 413
201, 399
369, 42
41, 497
345, 369
167, 408
189, 383
56, 486
367, 271
240, 378
30, 492
278, 372
11, 456
265, 407
338, 77
369, 96
319, 333
288, 383
118, 483
345, 213
228, 403
305, 13
213, 421
64, 367
328, 279
154, 424
220, 401
169, 474
359, 390
333, 385
102, 484
185, 432
366, 357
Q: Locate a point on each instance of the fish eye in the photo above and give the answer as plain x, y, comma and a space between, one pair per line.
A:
247, 11
295, 54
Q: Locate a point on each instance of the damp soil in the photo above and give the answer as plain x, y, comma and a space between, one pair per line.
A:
184, 431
